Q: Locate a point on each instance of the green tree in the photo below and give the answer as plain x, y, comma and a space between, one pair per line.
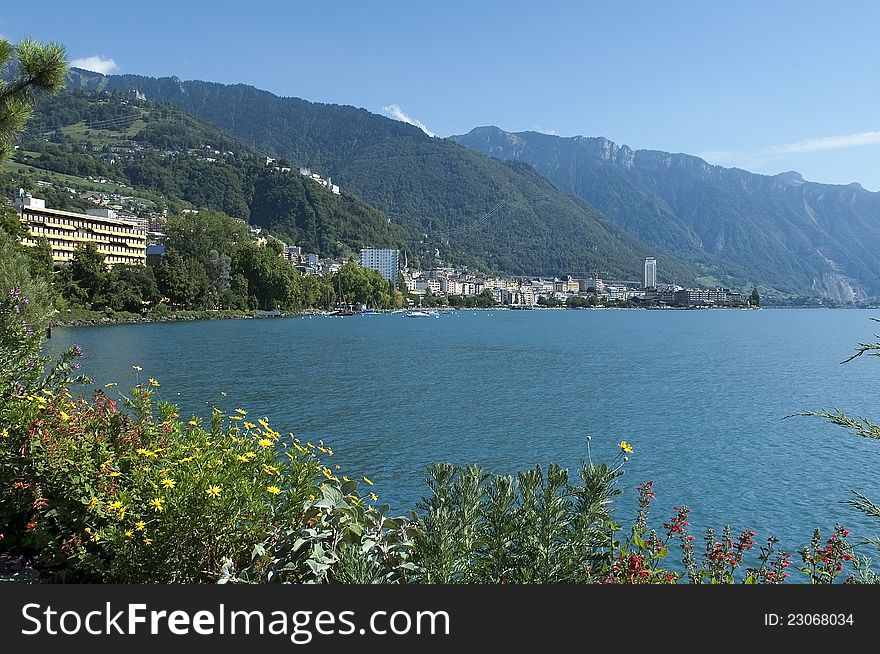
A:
182, 281
196, 235
754, 298
15, 274
40, 69
85, 281
271, 279
219, 271
132, 287
11, 223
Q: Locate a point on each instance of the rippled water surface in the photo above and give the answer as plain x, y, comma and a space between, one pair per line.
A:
700, 394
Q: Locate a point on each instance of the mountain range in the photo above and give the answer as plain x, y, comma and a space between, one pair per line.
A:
778, 231
457, 206
531, 203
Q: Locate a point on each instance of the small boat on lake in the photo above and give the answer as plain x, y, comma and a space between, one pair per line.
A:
421, 313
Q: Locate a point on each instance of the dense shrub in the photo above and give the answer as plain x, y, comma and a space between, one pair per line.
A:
142, 496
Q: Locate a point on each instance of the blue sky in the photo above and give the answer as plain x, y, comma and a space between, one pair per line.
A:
766, 86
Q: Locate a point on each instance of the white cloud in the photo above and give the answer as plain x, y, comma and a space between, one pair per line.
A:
824, 143
394, 111
96, 64
821, 144
545, 130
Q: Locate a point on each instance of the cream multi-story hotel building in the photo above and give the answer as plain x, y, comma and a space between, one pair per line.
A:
119, 241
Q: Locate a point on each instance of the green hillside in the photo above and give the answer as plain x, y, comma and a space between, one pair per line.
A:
454, 204
150, 157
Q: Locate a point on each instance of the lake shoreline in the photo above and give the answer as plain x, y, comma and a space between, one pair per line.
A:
98, 319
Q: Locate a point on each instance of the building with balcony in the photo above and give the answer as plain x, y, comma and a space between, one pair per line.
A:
120, 241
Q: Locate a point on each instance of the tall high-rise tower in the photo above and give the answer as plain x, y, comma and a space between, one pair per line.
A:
385, 261
650, 272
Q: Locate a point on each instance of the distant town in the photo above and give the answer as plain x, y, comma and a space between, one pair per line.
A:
125, 238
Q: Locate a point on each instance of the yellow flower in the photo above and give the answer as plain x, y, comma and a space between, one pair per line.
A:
122, 513
374, 497
344, 478
625, 447
139, 525
129, 533
96, 536
148, 541
168, 483
137, 368
194, 422
264, 442
242, 458
241, 412
157, 503
93, 502
271, 470
115, 474
368, 481
236, 418
150, 454
64, 416
249, 425
273, 490
250, 455
115, 506
213, 491
110, 385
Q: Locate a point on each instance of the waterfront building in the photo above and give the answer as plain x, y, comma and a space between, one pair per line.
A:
383, 260
120, 241
650, 272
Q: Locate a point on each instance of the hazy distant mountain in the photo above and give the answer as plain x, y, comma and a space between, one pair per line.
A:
796, 236
470, 208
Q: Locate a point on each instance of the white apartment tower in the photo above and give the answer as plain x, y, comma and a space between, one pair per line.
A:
650, 272
385, 261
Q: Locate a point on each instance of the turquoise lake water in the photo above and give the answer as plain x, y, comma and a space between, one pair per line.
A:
701, 395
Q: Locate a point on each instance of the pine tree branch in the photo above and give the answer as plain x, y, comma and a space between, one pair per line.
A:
859, 426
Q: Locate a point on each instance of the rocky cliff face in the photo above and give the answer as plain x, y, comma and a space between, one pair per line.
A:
781, 231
